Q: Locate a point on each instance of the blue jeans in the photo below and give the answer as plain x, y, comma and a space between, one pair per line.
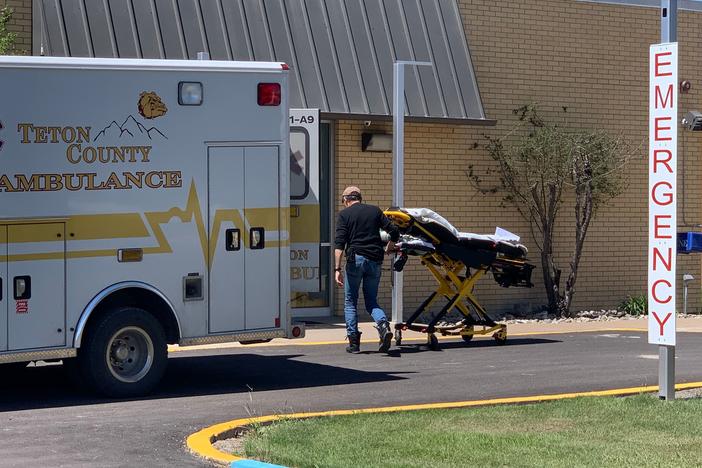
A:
367, 272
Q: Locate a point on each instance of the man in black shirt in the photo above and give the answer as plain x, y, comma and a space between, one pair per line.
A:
358, 228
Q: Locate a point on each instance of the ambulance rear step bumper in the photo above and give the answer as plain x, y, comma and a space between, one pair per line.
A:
40, 355
246, 337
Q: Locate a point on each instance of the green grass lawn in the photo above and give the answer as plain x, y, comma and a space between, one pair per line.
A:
622, 432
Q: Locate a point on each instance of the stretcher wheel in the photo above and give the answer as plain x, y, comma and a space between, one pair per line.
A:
500, 337
467, 338
433, 342
398, 337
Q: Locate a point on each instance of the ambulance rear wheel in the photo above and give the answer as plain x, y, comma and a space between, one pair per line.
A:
125, 353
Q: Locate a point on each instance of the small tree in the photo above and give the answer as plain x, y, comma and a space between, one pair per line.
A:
7, 38
536, 162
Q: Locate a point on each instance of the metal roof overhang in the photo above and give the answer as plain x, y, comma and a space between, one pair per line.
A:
340, 52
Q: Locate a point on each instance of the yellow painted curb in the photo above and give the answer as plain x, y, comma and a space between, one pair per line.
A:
176, 348
200, 443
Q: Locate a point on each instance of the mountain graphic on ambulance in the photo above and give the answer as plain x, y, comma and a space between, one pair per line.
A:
129, 128
150, 106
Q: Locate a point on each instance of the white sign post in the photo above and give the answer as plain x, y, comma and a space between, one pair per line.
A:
662, 202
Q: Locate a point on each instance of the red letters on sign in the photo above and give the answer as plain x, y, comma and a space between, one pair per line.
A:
658, 255
668, 196
658, 159
661, 324
655, 296
662, 193
659, 64
660, 128
657, 225
668, 95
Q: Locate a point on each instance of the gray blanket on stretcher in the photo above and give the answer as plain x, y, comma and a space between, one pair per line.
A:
415, 243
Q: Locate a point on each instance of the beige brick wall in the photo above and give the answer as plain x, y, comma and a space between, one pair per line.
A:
591, 58
21, 23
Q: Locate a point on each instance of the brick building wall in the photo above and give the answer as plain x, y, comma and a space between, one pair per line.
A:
592, 58
21, 24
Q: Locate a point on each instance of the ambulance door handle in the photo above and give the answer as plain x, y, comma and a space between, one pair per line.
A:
257, 238
23, 287
232, 240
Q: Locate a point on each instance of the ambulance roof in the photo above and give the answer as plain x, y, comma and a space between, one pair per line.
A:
138, 64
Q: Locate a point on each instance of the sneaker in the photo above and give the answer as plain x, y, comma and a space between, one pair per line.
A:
385, 336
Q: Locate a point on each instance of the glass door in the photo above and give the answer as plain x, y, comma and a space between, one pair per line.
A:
310, 211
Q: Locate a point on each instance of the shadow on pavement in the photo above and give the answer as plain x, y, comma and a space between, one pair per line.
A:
226, 371
481, 343
50, 386
414, 347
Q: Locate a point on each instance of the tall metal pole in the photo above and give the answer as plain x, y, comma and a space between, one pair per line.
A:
398, 165
398, 170
666, 354
669, 21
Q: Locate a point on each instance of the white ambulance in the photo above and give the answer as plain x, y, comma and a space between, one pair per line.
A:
142, 203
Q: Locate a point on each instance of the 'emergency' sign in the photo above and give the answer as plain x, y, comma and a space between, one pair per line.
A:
662, 199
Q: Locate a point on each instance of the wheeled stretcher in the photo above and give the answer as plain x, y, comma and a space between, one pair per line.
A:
457, 260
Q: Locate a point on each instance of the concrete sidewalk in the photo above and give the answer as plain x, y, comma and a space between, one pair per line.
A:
332, 330
335, 330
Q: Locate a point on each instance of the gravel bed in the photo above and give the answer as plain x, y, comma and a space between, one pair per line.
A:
235, 445
584, 316
686, 394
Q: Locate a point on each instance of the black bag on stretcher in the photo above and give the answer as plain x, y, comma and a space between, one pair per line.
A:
457, 260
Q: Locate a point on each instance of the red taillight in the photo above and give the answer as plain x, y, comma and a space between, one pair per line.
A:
284, 66
269, 94
277, 322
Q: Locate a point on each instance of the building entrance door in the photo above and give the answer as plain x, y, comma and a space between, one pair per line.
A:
310, 223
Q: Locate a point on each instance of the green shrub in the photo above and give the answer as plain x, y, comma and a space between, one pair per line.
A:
7, 38
635, 305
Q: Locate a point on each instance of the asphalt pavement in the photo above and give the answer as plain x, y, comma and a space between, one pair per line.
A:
45, 421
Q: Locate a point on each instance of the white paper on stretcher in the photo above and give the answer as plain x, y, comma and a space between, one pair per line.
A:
505, 235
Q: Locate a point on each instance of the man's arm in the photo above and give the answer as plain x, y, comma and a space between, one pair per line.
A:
392, 231
337, 258
340, 240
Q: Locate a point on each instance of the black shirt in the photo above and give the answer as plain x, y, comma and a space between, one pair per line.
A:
358, 231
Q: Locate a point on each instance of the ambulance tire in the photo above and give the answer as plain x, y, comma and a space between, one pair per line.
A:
125, 354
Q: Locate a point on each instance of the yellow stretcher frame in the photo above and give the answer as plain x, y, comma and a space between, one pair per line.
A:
458, 290
454, 287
